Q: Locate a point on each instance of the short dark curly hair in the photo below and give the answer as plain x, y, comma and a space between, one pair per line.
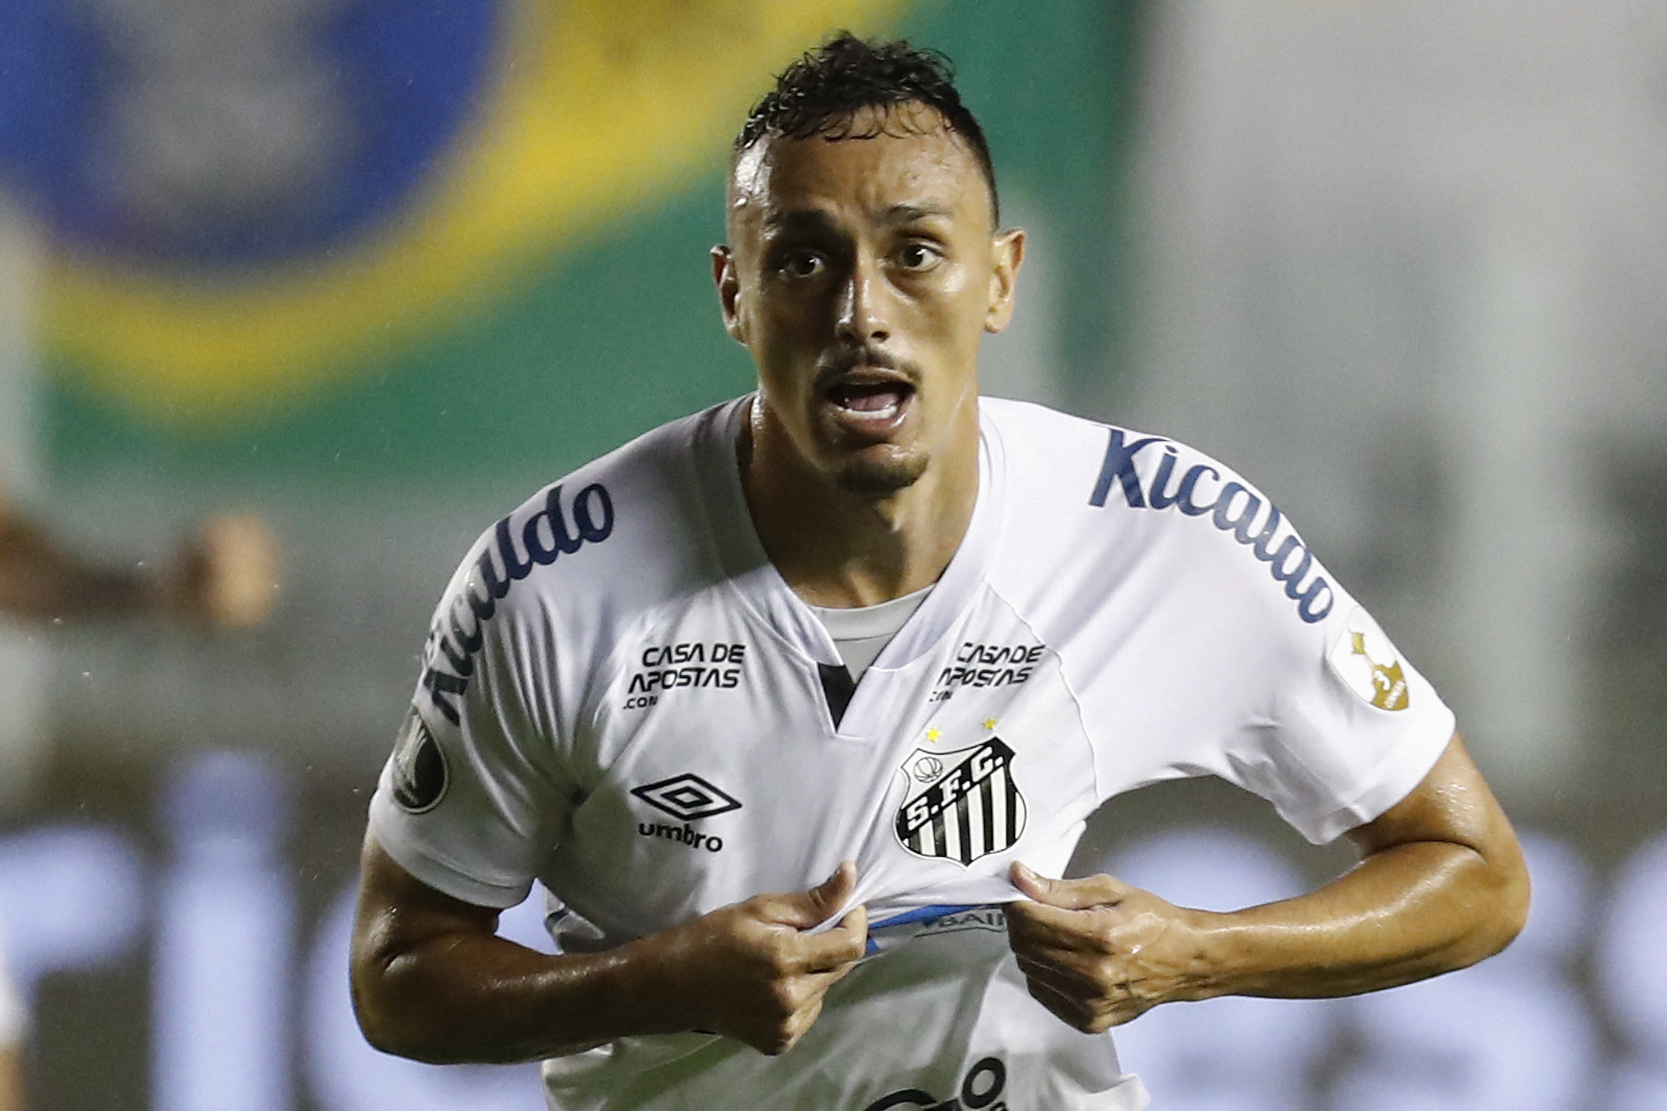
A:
820, 92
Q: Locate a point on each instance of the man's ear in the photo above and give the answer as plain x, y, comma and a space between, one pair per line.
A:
729, 291
1007, 254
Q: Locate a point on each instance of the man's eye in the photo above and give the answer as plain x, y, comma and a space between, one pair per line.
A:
803, 264
917, 256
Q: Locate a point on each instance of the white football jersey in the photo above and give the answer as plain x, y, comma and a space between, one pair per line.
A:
622, 698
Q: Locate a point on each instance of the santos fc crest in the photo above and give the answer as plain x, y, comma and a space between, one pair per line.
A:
960, 805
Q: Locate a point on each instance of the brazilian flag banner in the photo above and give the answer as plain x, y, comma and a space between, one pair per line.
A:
402, 237
378, 269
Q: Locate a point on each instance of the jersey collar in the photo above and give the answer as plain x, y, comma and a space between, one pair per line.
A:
750, 574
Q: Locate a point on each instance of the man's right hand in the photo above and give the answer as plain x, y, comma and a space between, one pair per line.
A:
433, 981
752, 972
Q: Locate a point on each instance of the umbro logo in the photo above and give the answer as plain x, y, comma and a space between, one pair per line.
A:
687, 797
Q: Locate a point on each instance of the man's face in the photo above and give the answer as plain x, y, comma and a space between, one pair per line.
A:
861, 274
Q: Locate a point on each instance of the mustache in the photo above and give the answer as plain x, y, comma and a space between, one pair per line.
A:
847, 359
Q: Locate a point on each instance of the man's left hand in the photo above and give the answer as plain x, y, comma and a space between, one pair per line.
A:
1440, 885
1098, 953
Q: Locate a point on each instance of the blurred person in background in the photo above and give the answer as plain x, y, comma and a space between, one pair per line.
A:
871, 644
12, 1022
226, 576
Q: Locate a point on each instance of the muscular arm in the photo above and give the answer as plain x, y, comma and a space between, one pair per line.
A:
1441, 885
432, 981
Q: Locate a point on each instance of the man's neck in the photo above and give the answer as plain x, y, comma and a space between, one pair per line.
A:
839, 548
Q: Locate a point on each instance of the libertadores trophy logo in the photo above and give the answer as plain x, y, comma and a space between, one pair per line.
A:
960, 805
1368, 664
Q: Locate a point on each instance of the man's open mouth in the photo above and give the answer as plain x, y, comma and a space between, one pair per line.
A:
871, 399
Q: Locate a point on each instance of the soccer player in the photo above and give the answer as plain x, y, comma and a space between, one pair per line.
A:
798, 705
225, 577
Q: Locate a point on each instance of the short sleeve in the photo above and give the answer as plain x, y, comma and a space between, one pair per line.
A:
473, 797
1205, 638
1354, 726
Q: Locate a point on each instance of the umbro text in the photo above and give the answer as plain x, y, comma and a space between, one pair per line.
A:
684, 834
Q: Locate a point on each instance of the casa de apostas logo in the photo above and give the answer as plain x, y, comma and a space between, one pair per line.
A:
960, 805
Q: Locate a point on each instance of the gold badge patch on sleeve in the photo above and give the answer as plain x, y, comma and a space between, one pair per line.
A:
1367, 663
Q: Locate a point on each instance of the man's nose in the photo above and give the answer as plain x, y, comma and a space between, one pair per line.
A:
862, 314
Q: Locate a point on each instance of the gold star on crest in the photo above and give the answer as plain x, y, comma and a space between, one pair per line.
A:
933, 734
989, 723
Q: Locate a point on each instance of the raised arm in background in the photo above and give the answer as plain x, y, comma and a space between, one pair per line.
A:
226, 575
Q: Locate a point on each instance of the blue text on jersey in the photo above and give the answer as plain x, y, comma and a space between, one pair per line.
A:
1235, 509
459, 631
